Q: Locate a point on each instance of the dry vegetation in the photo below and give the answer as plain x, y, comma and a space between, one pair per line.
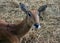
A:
50, 31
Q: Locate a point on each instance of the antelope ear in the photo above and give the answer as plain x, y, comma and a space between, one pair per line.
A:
25, 9
41, 9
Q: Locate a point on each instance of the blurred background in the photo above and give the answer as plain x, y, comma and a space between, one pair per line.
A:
50, 31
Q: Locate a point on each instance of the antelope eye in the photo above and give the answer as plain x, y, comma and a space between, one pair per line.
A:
29, 13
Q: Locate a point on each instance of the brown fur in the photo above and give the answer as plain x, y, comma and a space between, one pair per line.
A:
7, 37
14, 32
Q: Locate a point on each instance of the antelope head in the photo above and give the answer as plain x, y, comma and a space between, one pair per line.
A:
32, 15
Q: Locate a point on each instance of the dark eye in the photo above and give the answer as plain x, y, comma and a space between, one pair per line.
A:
29, 13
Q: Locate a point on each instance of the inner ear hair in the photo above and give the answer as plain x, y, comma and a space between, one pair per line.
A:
42, 8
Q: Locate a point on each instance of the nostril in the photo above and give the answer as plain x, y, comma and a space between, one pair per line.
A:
37, 26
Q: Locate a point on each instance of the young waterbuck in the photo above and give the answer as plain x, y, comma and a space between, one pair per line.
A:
11, 33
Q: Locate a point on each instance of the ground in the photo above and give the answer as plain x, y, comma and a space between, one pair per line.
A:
50, 30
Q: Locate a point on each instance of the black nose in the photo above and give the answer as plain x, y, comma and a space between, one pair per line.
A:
36, 25
42, 8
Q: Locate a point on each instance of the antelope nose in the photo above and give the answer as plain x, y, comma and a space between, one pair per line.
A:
37, 26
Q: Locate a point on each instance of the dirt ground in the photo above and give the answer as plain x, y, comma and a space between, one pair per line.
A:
50, 30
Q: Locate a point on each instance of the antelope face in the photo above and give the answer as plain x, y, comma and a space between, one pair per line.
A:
32, 16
